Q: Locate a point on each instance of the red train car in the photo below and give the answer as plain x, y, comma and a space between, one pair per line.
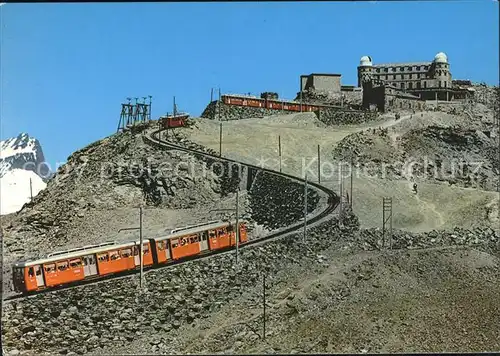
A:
78, 264
198, 239
171, 121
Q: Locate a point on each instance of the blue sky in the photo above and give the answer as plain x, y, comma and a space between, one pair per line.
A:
65, 68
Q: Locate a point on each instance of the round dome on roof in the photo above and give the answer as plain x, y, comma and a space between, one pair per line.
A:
441, 58
365, 61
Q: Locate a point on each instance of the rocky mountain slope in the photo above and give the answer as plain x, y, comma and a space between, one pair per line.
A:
460, 156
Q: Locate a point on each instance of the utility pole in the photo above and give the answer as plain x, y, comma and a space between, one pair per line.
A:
264, 304
341, 188
352, 169
305, 209
386, 216
220, 139
211, 94
237, 212
218, 106
301, 97
142, 248
279, 149
319, 166
141, 241
31, 190
237, 225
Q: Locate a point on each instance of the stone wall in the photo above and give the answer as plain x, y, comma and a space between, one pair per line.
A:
234, 112
345, 117
386, 98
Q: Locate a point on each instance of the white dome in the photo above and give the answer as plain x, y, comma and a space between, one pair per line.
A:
365, 61
441, 58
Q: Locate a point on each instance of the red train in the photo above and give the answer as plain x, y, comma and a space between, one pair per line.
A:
97, 261
172, 121
267, 103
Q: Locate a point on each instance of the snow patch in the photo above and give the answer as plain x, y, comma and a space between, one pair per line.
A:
15, 189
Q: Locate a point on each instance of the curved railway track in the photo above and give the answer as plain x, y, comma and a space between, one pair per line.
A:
154, 140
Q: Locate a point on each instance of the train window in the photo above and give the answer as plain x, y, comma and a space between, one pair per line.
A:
62, 266
50, 268
103, 257
211, 234
146, 249
38, 271
175, 243
114, 255
136, 251
75, 263
184, 241
161, 245
127, 252
230, 228
31, 272
221, 232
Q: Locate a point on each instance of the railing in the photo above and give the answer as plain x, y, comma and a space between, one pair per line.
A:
57, 253
193, 226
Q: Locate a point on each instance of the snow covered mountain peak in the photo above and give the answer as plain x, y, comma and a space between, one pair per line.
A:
16, 145
22, 152
22, 167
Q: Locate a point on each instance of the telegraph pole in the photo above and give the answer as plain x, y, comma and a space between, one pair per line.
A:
341, 196
211, 94
218, 106
31, 190
279, 149
350, 198
305, 209
141, 241
142, 248
220, 139
319, 166
237, 225
264, 304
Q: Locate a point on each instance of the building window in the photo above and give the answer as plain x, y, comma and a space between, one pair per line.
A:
425, 84
418, 85
402, 85
393, 69
401, 69
439, 83
418, 68
445, 84
386, 70
409, 69
378, 70
410, 86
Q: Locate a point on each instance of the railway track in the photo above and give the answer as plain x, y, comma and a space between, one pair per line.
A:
154, 140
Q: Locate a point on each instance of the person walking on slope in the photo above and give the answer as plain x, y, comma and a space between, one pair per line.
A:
415, 188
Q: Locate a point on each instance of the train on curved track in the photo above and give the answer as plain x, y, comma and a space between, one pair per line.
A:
97, 261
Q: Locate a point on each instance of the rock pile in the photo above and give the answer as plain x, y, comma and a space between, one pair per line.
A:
458, 156
371, 239
331, 116
276, 202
